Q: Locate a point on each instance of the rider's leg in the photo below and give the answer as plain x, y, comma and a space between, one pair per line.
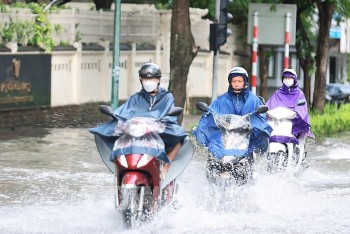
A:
172, 154
301, 146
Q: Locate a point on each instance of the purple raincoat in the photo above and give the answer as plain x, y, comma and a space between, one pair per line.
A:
288, 97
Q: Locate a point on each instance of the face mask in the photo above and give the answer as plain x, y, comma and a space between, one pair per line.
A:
150, 85
288, 82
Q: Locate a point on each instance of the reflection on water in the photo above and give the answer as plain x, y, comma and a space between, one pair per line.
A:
53, 181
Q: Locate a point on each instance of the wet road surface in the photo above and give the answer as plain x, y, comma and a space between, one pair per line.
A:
53, 181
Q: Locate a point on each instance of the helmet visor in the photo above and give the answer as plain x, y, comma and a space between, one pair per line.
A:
288, 75
149, 72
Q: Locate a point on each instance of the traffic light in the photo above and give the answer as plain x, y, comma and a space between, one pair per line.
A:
219, 31
225, 16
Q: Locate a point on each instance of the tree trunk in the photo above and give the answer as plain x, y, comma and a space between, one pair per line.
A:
326, 9
182, 51
103, 4
263, 72
307, 82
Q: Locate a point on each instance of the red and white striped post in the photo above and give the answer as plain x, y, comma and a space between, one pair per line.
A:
255, 50
286, 42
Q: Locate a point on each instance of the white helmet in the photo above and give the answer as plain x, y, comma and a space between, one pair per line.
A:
238, 71
290, 73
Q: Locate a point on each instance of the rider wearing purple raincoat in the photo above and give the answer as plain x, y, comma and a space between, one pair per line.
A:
288, 96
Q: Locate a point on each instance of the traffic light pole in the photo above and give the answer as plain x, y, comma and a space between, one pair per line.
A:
215, 76
214, 92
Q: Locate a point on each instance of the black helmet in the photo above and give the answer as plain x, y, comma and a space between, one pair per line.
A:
150, 70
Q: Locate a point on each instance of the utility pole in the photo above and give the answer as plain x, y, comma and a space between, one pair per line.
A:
116, 53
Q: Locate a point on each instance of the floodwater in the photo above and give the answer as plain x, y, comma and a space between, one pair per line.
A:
53, 181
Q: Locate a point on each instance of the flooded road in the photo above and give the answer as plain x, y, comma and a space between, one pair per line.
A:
53, 181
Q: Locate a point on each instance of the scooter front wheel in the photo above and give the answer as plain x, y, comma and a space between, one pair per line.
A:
136, 204
128, 206
275, 161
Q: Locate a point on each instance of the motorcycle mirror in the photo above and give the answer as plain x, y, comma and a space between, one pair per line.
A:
175, 111
261, 109
107, 110
301, 102
202, 106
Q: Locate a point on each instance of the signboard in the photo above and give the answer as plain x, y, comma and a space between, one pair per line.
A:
272, 23
335, 30
25, 81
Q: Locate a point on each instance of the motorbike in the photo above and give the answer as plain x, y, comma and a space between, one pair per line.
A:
140, 187
236, 167
286, 152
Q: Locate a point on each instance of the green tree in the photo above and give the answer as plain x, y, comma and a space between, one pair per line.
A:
324, 10
304, 44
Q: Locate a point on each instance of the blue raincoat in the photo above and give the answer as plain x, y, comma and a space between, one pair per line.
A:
209, 135
142, 104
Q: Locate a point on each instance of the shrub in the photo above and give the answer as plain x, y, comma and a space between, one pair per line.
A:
333, 119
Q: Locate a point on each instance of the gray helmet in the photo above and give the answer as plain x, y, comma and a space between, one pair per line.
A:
150, 70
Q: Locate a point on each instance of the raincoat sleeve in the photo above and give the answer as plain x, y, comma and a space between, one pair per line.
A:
205, 130
260, 127
209, 135
301, 124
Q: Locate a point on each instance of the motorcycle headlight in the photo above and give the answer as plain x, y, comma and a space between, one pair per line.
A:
137, 130
122, 160
230, 159
144, 160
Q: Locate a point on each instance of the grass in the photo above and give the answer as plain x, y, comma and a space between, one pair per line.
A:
334, 119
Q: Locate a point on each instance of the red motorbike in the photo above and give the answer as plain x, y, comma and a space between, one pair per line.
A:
140, 188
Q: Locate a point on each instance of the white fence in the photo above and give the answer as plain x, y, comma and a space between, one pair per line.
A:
86, 76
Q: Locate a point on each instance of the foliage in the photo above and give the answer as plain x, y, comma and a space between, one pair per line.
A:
333, 119
42, 28
19, 31
36, 32
4, 8
78, 35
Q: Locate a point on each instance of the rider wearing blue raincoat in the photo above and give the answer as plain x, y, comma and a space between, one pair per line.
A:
238, 100
151, 101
